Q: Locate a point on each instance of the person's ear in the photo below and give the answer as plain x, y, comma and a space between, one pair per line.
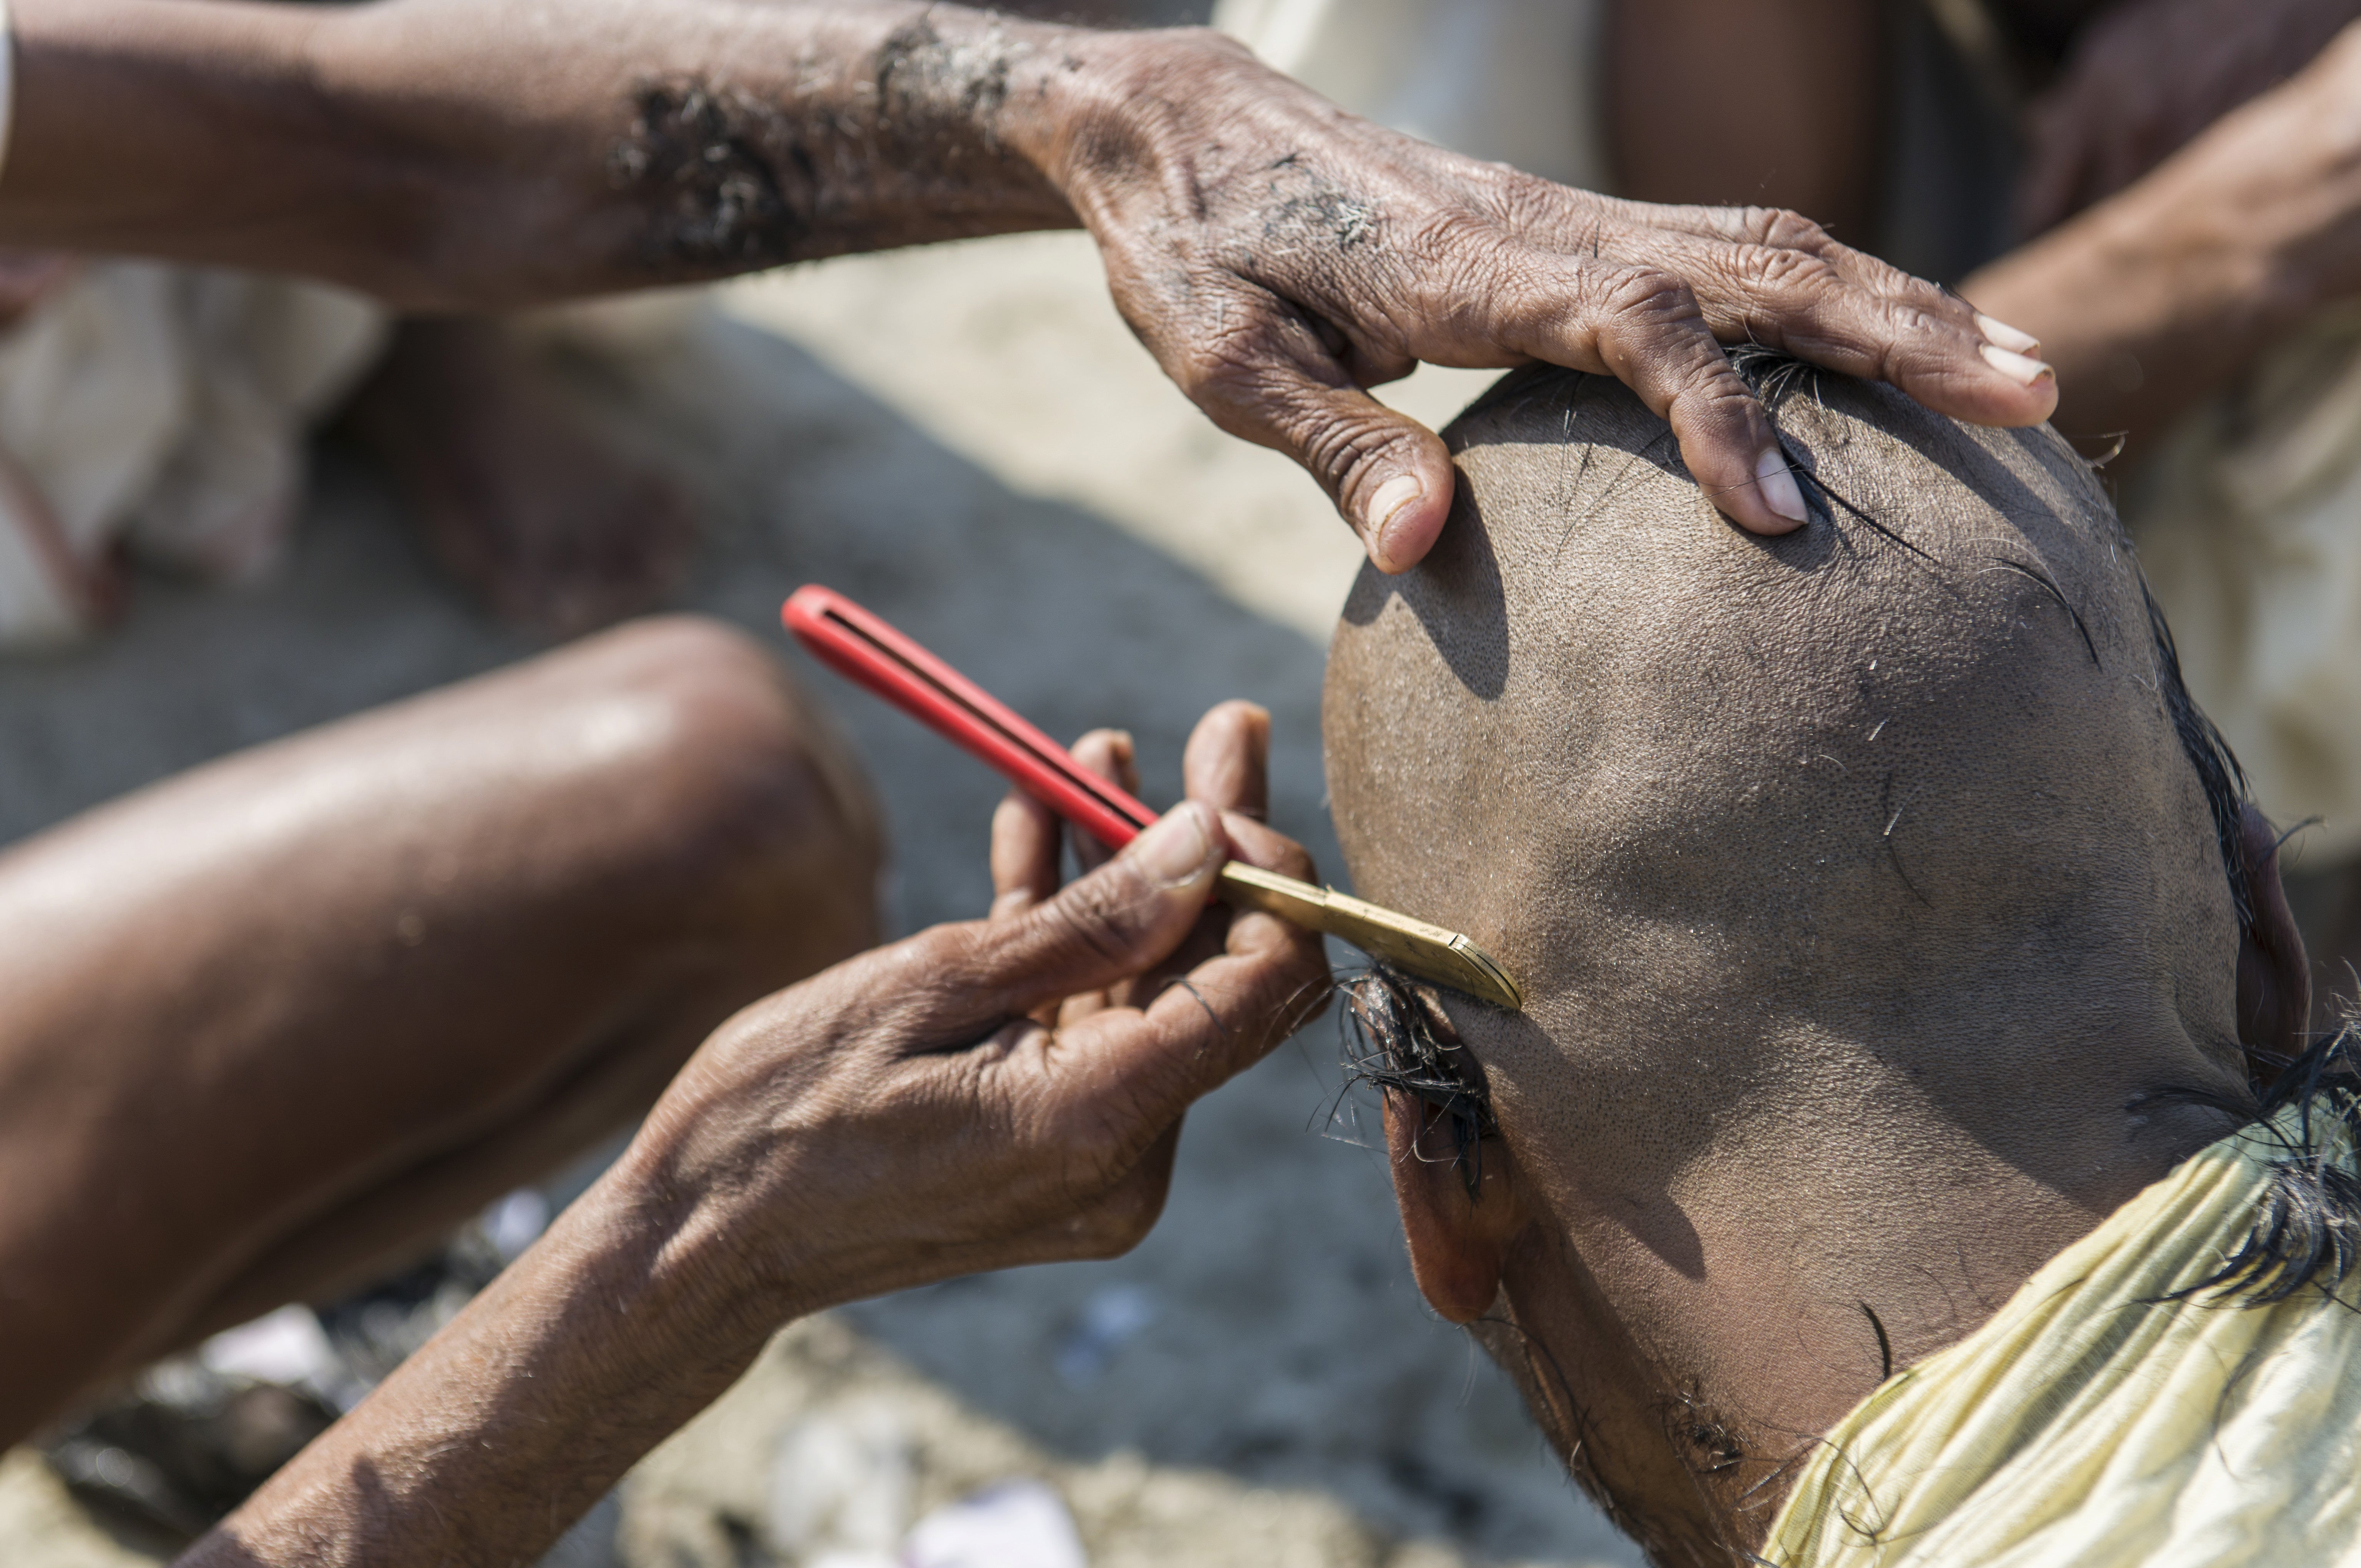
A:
1459, 1230
2274, 975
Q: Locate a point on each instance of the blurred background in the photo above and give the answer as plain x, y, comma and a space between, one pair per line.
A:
967, 439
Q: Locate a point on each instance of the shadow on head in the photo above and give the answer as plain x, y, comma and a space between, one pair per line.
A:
1822, 859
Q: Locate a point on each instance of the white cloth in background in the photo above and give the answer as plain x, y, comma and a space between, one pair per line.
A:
163, 411
1512, 81
2248, 522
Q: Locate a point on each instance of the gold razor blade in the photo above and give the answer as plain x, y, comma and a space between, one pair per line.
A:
862, 646
1430, 952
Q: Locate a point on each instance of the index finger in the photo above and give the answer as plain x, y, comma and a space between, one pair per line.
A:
1024, 854
1227, 763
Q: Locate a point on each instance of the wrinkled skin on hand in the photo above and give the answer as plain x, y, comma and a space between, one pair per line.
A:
2145, 78
1007, 1091
1280, 257
1001, 1091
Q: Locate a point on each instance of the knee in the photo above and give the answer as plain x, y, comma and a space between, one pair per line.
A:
745, 798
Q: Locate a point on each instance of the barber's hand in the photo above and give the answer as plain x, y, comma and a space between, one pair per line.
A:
1001, 1092
1279, 257
2148, 77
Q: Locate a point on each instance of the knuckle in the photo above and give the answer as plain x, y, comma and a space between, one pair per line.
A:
1272, 851
1214, 368
1651, 294
1787, 229
937, 955
1784, 272
1901, 336
1523, 198
1292, 985
1890, 282
1464, 266
940, 970
1098, 916
1478, 267
1721, 403
1907, 320
1340, 451
1453, 234
1252, 376
1853, 313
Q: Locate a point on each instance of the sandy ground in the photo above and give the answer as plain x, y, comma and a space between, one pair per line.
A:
967, 440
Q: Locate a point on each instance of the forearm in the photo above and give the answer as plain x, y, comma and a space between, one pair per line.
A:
1276, 255
2168, 291
2141, 320
488, 1444
449, 152
894, 1120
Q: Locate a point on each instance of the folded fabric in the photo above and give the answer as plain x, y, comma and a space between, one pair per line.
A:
1513, 80
2118, 1411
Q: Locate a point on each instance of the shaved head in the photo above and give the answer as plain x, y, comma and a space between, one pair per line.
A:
1873, 890
1701, 780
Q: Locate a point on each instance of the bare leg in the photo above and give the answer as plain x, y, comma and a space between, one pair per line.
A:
514, 496
278, 1022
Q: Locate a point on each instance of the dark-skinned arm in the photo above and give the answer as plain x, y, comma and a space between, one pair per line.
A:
1277, 256
2169, 286
980, 1096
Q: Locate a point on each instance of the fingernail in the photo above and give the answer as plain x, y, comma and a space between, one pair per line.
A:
2007, 337
2016, 367
1177, 849
1393, 498
1778, 486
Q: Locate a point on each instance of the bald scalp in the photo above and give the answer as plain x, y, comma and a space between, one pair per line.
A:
1864, 884
1909, 772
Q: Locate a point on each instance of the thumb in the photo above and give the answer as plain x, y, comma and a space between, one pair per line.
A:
1390, 475
1118, 922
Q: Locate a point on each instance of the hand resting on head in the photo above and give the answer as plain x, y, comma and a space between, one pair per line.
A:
1277, 256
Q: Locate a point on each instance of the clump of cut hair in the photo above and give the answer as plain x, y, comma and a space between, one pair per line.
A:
2307, 1231
1398, 1042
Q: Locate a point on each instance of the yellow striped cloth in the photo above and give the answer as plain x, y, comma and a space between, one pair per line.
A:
2096, 1422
